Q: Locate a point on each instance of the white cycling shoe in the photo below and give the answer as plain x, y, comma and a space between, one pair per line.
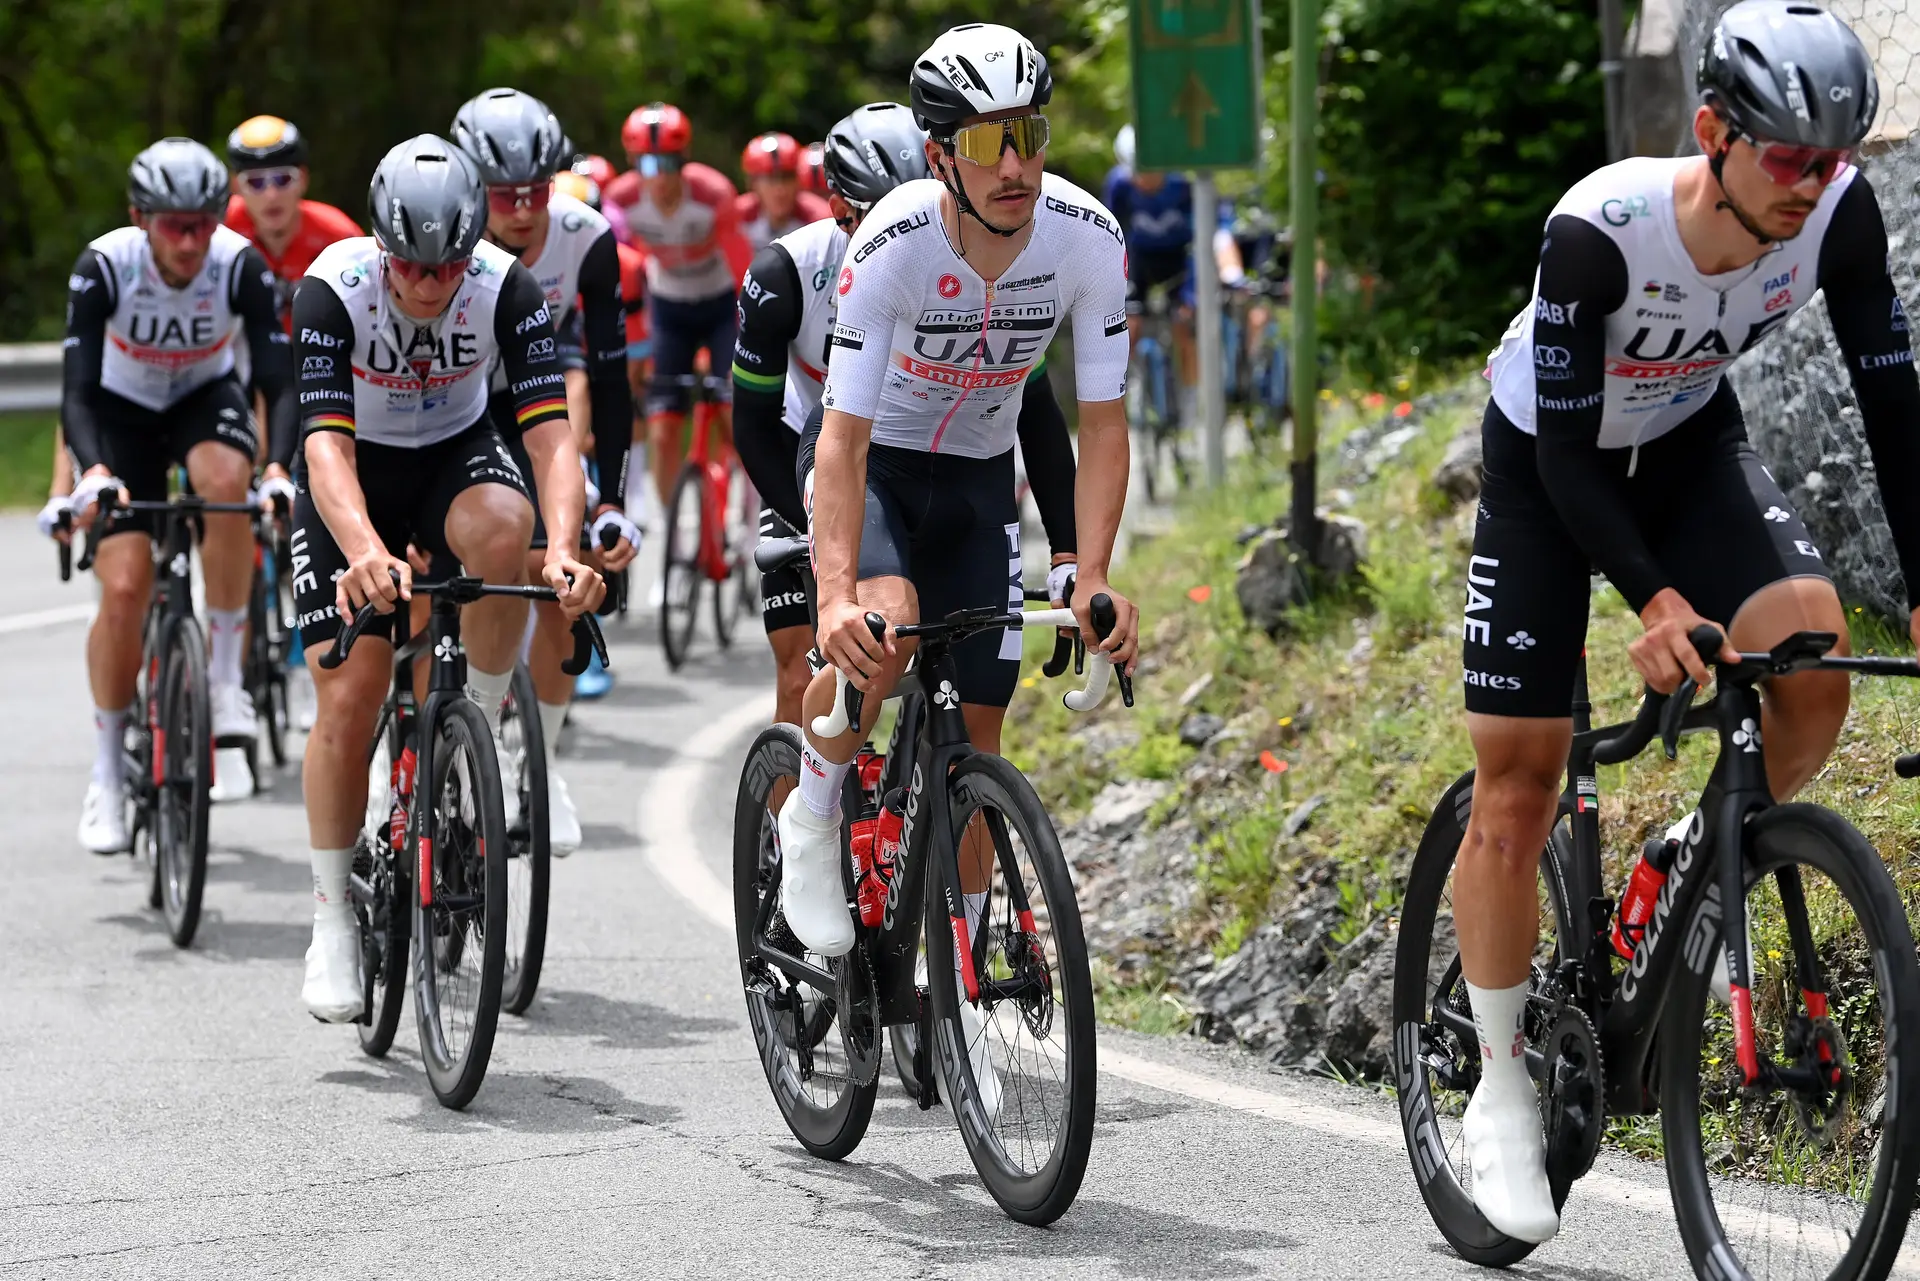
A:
103, 819
233, 718
1508, 1153
986, 1079
333, 991
563, 820
811, 892
509, 779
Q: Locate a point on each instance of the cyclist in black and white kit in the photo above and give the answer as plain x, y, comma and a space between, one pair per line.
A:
1613, 441
395, 335
787, 309
946, 300
154, 312
517, 144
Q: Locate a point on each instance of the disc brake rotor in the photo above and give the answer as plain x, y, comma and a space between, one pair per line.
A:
1817, 1046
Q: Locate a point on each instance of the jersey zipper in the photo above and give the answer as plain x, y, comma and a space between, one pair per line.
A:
986, 315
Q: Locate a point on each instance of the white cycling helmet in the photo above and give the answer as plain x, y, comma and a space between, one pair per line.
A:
1123, 146
975, 70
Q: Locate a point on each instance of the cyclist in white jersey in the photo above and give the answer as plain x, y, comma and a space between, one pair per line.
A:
153, 314
1612, 440
950, 293
395, 335
787, 310
516, 143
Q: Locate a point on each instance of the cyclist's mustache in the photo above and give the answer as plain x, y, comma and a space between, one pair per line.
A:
1011, 189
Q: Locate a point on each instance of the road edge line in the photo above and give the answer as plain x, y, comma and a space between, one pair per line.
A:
666, 834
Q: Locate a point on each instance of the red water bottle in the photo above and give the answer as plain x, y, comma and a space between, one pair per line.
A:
402, 798
883, 857
1636, 905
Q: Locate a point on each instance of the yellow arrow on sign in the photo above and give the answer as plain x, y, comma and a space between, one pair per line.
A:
1194, 104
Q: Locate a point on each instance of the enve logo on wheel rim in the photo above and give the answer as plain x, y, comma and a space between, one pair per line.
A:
949, 286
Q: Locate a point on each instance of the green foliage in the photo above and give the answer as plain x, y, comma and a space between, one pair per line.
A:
26, 458
84, 85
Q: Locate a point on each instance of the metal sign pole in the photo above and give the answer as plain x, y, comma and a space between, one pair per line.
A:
1303, 524
1211, 400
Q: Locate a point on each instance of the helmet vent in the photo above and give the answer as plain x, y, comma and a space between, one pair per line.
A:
979, 81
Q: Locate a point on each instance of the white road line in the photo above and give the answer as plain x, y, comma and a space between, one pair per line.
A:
40, 618
672, 852
672, 849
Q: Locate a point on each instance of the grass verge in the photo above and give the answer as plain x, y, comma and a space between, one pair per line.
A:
26, 458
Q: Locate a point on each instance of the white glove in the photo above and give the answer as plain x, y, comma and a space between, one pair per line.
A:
50, 515
1057, 580
593, 490
274, 487
612, 519
88, 491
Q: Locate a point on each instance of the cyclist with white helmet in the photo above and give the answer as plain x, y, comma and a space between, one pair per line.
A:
516, 143
1613, 440
152, 314
787, 309
946, 301
396, 334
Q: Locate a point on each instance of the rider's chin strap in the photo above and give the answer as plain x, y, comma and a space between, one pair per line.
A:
966, 206
1717, 162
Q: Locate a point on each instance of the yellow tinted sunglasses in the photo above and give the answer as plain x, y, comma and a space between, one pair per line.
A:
982, 144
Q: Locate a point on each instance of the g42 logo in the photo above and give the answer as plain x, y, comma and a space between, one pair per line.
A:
1618, 213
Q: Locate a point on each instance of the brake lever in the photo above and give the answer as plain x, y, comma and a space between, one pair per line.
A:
1105, 619
1674, 713
343, 643
1065, 646
589, 642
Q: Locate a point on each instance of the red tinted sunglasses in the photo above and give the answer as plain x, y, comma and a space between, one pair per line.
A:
1787, 164
414, 272
506, 200
179, 226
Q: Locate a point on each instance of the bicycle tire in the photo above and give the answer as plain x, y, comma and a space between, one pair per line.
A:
388, 919
1447, 1199
1039, 1195
680, 576
831, 1130
530, 865
1813, 837
185, 793
278, 615
739, 526
464, 860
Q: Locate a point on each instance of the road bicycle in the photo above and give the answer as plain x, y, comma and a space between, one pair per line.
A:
1256, 358
271, 635
1790, 1114
1008, 1025
169, 743
1153, 391
712, 521
438, 874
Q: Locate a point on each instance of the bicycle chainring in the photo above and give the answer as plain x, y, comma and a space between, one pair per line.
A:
1573, 1103
857, 999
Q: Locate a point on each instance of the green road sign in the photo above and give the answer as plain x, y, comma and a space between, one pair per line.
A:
1195, 91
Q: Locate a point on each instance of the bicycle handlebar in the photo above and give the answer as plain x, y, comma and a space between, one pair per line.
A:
186, 504
776, 554
588, 640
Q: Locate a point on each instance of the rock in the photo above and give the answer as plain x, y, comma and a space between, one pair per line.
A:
1269, 582
1359, 1021
1301, 816
1343, 546
1199, 729
1124, 805
1195, 690
1458, 475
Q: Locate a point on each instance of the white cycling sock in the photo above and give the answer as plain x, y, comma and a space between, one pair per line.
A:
109, 739
330, 869
552, 717
226, 641
487, 689
1499, 1016
820, 781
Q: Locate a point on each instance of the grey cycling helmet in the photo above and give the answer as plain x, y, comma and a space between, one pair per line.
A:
873, 150
975, 70
1785, 71
512, 137
427, 203
177, 175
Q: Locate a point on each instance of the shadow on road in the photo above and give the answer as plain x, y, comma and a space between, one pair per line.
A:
218, 939
615, 1024
520, 1102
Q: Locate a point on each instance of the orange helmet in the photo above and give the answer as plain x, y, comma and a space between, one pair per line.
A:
813, 169
579, 186
771, 153
598, 168
657, 129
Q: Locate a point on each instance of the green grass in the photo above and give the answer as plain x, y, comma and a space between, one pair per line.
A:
26, 458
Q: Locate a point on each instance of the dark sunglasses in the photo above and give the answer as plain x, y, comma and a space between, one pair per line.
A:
506, 200
261, 179
184, 226
415, 272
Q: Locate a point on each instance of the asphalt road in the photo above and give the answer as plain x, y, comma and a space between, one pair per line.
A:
177, 1114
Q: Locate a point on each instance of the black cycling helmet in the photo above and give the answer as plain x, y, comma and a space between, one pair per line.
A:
1786, 71
266, 142
974, 70
512, 137
177, 175
872, 151
427, 203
